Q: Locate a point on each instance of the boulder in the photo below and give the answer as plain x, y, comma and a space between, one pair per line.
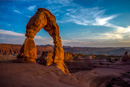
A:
126, 57
46, 58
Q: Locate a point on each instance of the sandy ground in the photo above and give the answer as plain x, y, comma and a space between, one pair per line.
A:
36, 75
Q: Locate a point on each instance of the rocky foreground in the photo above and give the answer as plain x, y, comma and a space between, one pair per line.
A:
36, 75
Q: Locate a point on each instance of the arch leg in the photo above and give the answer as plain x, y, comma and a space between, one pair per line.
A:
28, 51
58, 54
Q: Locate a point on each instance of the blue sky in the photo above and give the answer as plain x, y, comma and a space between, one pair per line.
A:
83, 23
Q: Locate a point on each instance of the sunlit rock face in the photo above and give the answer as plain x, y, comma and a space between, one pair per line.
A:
47, 57
43, 19
28, 51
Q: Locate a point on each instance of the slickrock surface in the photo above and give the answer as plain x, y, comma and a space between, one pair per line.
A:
36, 75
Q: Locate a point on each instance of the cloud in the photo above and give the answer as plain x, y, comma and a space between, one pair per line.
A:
23, 13
99, 36
5, 23
118, 33
87, 16
16, 11
29, 16
79, 15
18, 38
12, 33
62, 2
121, 30
97, 43
110, 36
94, 17
31, 8
103, 21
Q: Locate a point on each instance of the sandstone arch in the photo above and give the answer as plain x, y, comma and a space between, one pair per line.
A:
42, 19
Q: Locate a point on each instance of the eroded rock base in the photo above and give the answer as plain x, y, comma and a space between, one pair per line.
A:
28, 52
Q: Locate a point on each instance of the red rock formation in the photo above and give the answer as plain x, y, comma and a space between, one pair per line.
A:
12, 49
28, 51
45, 19
47, 57
9, 49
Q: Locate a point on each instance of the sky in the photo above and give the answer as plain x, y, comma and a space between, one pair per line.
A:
83, 23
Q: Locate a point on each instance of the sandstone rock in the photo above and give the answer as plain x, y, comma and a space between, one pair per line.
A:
14, 49
44, 19
9, 49
126, 57
47, 57
69, 57
28, 51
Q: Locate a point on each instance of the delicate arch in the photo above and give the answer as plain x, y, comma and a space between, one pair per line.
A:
43, 19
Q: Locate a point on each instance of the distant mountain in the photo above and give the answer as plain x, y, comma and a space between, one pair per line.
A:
98, 50
49, 45
66, 46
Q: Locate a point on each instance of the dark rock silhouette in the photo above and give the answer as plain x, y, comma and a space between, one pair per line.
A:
126, 57
43, 19
47, 57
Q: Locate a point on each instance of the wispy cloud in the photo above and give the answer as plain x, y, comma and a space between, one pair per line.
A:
118, 33
12, 33
17, 11
18, 38
29, 16
62, 2
121, 30
80, 15
94, 17
97, 43
99, 36
103, 21
107, 36
31, 8
87, 16
5, 23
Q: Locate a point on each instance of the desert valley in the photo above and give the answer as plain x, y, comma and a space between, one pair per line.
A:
87, 70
